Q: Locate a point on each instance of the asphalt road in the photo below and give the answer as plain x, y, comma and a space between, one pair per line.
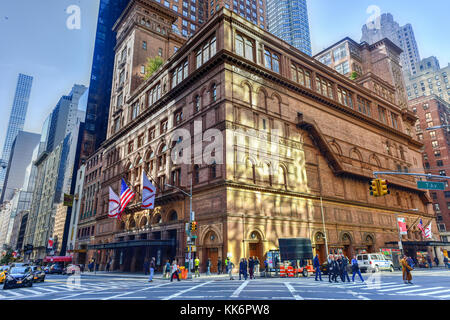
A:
427, 285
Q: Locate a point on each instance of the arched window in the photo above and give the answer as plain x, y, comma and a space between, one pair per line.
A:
173, 216
214, 93
239, 45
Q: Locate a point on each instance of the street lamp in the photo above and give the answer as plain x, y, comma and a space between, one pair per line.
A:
191, 218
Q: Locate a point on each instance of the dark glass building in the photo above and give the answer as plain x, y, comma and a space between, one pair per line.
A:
101, 77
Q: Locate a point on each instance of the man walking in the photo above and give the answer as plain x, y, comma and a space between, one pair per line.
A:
345, 266
219, 266
208, 267
152, 269
167, 271
316, 265
196, 267
355, 269
436, 260
243, 269
331, 266
257, 263
251, 267
406, 270
266, 267
430, 264
108, 265
446, 262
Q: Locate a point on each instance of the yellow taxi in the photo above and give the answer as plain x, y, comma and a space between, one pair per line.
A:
3, 271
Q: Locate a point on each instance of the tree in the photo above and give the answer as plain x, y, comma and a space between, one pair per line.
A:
153, 64
8, 256
354, 75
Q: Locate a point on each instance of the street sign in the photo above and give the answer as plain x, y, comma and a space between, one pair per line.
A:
430, 185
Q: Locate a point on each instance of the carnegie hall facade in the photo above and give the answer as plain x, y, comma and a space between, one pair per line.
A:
280, 146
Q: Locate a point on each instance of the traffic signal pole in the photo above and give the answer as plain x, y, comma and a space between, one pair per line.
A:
376, 173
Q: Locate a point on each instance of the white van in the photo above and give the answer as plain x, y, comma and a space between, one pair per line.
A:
374, 262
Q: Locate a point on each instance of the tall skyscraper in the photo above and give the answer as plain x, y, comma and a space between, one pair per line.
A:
288, 20
16, 120
385, 27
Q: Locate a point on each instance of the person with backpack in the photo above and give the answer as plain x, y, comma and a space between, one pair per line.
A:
355, 270
406, 270
167, 271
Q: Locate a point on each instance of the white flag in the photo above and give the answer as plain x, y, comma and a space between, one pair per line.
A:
114, 204
402, 225
428, 233
148, 193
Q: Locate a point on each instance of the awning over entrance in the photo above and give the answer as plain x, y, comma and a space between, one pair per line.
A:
57, 259
430, 243
133, 243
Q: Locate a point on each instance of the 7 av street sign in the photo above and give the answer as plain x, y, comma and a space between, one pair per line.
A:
430, 185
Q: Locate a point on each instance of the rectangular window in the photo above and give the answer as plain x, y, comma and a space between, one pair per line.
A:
440, 163
340, 53
163, 126
144, 45
272, 60
382, 114
394, 119
435, 144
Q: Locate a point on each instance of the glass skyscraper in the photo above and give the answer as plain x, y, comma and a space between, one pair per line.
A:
288, 20
16, 120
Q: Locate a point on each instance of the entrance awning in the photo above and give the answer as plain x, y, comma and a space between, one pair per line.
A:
57, 259
133, 243
429, 243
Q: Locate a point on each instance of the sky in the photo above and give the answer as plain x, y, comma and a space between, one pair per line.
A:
35, 40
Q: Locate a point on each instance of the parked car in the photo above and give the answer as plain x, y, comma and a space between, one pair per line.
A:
38, 274
56, 268
18, 277
71, 269
19, 264
374, 262
3, 272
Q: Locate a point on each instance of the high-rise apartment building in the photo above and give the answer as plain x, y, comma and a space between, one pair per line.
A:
384, 26
16, 120
288, 20
431, 128
430, 79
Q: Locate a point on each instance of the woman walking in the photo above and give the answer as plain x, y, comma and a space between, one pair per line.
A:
406, 270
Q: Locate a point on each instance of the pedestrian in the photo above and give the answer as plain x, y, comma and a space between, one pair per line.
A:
406, 270
336, 269
430, 264
257, 263
330, 268
167, 269
266, 267
219, 266
446, 262
355, 270
436, 260
196, 267
340, 268
243, 269
344, 269
146, 267
230, 267
108, 265
251, 266
174, 271
152, 269
412, 262
208, 267
316, 265
91, 266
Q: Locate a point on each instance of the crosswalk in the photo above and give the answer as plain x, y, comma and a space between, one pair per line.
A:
39, 291
388, 288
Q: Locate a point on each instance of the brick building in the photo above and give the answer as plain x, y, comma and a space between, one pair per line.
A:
433, 111
234, 87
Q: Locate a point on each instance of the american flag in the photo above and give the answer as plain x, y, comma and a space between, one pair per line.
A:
420, 226
126, 195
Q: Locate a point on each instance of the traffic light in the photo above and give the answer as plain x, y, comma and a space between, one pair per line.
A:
383, 188
193, 226
374, 190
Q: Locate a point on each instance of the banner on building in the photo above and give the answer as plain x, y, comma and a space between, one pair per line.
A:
68, 200
50, 243
402, 226
427, 232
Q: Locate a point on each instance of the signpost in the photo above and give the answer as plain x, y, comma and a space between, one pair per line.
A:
430, 185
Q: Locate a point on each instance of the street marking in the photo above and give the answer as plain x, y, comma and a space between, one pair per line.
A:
398, 287
32, 291
433, 292
131, 292
356, 295
447, 296
47, 289
187, 290
238, 290
370, 287
423, 289
292, 291
3, 297
15, 294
